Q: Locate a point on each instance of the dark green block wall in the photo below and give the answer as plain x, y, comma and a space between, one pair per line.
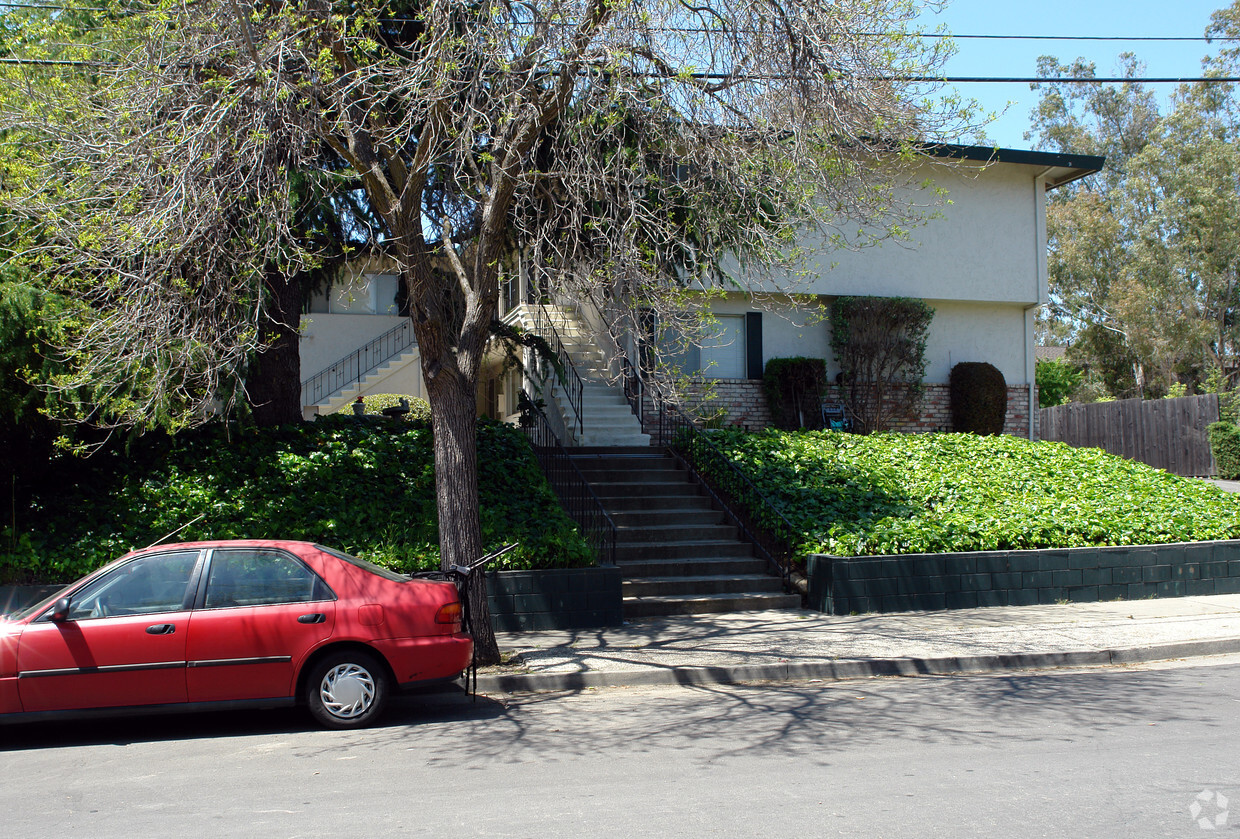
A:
846, 585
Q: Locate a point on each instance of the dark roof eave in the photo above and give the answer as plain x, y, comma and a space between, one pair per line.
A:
1063, 168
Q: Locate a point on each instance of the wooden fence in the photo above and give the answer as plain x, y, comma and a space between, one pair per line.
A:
1167, 433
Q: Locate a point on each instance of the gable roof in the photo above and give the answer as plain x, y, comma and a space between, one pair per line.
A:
1061, 168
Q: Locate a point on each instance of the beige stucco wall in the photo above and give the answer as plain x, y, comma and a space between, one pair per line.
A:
405, 380
325, 339
995, 333
983, 241
998, 333
981, 264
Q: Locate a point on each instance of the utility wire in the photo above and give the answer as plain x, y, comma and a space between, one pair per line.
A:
750, 77
702, 31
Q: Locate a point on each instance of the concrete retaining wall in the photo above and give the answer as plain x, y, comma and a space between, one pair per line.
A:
570, 598
846, 585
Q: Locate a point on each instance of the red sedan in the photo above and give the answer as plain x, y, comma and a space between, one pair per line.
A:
217, 624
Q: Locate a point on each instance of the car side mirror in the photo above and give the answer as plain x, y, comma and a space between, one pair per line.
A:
60, 610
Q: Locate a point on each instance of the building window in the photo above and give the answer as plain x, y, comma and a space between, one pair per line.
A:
722, 354
368, 294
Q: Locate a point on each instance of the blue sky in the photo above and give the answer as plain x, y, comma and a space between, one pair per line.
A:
1132, 18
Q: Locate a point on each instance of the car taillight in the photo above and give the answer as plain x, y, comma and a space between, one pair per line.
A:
449, 613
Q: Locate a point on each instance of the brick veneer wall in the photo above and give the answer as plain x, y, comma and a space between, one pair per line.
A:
936, 412
744, 404
843, 585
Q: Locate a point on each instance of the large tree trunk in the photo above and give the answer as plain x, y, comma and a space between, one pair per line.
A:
453, 420
451, 350
273, 385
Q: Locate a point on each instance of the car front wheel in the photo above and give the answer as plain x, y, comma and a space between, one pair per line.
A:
347, 690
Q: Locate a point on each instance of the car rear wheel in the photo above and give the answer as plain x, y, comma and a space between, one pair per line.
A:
347, 689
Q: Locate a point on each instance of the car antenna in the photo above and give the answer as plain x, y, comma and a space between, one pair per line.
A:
168, 536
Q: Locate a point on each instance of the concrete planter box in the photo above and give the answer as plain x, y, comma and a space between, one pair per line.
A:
917, 582
569, 598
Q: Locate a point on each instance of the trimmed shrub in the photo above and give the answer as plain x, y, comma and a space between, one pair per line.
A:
419, 409
979, 398
793, 388
880, 345
1225, 444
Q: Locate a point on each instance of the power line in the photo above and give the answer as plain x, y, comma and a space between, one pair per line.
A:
1071, 79
756, 77
702, 31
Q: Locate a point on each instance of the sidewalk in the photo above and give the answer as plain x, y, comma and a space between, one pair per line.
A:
802, 645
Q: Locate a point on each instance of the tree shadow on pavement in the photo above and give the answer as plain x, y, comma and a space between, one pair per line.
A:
813, 721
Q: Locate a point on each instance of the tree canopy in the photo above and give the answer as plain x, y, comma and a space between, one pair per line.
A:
1143, 261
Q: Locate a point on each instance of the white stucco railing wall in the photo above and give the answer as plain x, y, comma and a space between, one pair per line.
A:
326, 338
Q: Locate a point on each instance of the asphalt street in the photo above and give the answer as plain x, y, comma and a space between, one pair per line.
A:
1106, 752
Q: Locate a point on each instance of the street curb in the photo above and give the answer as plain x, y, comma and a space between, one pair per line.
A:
847, 669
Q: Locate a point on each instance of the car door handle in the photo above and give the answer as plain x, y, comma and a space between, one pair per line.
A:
314, 617
161, 629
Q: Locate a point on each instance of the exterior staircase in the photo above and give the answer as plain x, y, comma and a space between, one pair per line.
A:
607, 417
368, 382
675, 551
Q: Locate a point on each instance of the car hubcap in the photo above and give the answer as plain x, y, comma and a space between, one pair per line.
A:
347, 691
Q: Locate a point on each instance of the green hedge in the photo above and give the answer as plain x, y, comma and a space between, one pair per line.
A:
849, 495
793, 388
364, 485
1225, 444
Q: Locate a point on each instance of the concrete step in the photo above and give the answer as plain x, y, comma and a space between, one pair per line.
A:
607, 404
706, 584
675, 551
645, 607
665, 517
612, 413
602, 437
674, 534
615, 451
629, 489
625, 459
692, 566
351, 391
637, 473
681, 550
630, 503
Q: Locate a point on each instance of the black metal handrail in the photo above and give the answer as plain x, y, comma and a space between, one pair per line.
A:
576, 495
574, 387
353, 367
730, 488
634, 390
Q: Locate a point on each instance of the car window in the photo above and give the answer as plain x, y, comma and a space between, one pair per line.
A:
260, 578
146, 585
378, 570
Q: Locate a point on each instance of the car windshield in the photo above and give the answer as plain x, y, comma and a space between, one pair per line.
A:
379, 570
42, 602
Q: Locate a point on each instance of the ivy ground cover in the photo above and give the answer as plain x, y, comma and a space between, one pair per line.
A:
851, 495
364, 486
